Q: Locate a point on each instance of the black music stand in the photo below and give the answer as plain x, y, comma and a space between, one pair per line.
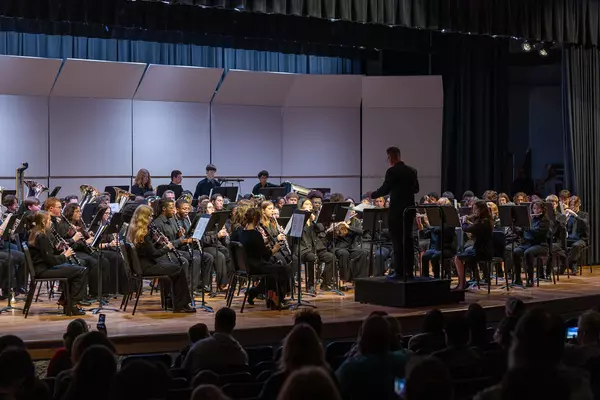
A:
550, 211
88, 212
287, 210
442, 217
298, 221
273, 192
332, 213
12, 227
514, 217
229, 192
96, 223
196, 231
375, 220
113, 227
55, 191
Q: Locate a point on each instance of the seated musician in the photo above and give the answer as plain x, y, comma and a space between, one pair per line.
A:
109, 244
366, 199
494, 211
53, 206
169, 195
558, 232
206, 260
257, 260
273, 233
49, 262
379, 202
263, 177
155, 261
387, 201
142, 183
218, 202
535, 243
313, 249
17, 258
577, 229
207, 184
434, 253
503, 199
480, 225
519, 198
215, 244
316, 198
279, 203
490, 196
467, 198
564, 197
291, 198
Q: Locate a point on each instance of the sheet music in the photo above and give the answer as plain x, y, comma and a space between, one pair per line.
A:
201, 227
288, 226
362, 207
297, 221
115, 207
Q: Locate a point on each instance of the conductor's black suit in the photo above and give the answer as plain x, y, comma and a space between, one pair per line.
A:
401, 183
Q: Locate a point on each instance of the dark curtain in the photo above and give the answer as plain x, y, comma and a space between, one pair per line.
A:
581, 85
475, 144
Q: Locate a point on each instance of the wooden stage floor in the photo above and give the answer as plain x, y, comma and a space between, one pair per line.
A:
152, 330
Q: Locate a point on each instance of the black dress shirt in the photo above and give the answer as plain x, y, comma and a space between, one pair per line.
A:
204, 187
43, 254
258, 186
401, 183
168, 226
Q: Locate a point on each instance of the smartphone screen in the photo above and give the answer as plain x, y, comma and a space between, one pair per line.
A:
572, 333
101, 321
399, 385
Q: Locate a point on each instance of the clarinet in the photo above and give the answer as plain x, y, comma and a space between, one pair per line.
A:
88, 247
179, 229
287, 253
164, 240
62, 245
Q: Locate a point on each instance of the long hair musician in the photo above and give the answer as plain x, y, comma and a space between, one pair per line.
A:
50, 260
273, 233
154, 260
142, 183
215, 244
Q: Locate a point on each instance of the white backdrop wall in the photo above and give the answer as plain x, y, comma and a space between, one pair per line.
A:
97, 123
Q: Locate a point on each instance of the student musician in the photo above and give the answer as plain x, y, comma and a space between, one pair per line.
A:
257, 259
168, 226
434, 253
215, 244
273, 233
503, 199
291, 198
142, 183
316, 198
558, 232
535, 243
207, 184
519, 198
184, 223
155, 260
50, 261
313, 249
352, 258
577, 230
263, 177
480, 225
218, 202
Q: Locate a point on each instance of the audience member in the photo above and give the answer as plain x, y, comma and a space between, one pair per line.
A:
432, 336
395, 334
513, 310
514, 307
588, 341
312, 383
196, 333
140, 380
17, 376
7, 341
301, 348
372, 372
538, 342
219, 351
311, 318
61, 360
520, 384
97, 364
463, 362
208, 392
427, 378
477, 321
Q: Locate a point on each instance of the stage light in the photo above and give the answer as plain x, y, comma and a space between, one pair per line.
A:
526, 46
543, 52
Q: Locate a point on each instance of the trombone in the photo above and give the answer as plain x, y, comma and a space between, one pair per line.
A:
121, 196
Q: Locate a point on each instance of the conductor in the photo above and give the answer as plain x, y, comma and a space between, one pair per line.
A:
401, 183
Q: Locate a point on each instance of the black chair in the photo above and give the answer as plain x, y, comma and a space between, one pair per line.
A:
163, 359
338, 349
499, 244
242, 272
179, 394
50, 383
240, 377
259, 354
264, 366
467, 388
264, 375
138, 276
242, 390
35, 280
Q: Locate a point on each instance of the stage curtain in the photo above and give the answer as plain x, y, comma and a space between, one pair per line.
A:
475, 144
581, 84
53, 46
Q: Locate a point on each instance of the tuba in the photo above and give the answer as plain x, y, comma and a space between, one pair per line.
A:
35, 188
121, 196
187, 196
88, 195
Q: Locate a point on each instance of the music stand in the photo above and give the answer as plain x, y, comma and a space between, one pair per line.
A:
113, 227
514, 217
442, 217
273, 192
550, 211
298, 221
463, 211
332, 213
196, 231
375, 220
55, 191
229, 192
12, 227
88, 212
97, 221
287, 210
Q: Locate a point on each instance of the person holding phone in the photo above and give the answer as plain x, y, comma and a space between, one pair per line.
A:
49, 262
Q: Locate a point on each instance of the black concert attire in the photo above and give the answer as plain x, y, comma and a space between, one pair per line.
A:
207, 260
313, 249
204, 187
352, 258
156, 262
65, 231
434, 253
283, 257
401, 183
141, 190
558, 234
535, 244
48, 264
17, 259
577, 230
482, 232
117, 270
168, 227
257, 260
258, 186
215, 247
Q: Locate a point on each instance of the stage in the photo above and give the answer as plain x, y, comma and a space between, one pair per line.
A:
152, 330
